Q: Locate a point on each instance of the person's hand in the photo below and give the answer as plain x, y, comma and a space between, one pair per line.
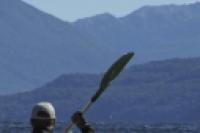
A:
77, 118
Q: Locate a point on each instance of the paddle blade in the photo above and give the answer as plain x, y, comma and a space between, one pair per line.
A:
112, 73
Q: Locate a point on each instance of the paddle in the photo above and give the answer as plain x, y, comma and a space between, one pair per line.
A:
108, 77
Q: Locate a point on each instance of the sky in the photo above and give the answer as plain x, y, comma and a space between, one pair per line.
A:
71, 10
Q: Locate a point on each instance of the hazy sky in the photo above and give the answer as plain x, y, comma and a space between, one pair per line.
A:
71, 10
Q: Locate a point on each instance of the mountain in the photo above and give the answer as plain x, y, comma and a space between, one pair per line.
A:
160, 91
153, 32
36, 47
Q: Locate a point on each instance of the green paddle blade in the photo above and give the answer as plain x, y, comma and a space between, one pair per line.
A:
112, 73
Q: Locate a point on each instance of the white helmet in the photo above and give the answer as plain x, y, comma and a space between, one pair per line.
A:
43, 110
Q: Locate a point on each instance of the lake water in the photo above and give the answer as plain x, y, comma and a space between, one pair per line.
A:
19, 127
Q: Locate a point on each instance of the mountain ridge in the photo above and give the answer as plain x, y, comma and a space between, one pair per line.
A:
36, 48
157, 92
154, 32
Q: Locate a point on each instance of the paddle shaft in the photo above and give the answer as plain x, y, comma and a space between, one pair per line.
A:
85, 108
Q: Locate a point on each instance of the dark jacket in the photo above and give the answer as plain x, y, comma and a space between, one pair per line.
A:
35, 130
87, 129
84, 130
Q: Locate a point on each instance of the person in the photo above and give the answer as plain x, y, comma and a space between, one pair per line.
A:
43, 119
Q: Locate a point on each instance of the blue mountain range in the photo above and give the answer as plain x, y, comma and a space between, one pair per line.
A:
36, 47
156, 92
